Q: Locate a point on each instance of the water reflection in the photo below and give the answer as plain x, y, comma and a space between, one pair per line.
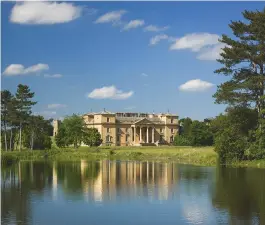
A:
165, 193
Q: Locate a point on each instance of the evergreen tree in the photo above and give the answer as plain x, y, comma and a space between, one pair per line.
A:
24, 104
243, 59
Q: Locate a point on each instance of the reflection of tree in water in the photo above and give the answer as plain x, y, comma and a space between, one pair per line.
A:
242, 193
72, 174
15, 206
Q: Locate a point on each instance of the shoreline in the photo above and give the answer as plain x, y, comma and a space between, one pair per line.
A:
200, 156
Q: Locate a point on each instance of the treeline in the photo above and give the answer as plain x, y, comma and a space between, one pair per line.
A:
194, 133
73, 131
19, 127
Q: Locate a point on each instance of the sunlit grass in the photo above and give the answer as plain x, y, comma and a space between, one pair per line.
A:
205, 156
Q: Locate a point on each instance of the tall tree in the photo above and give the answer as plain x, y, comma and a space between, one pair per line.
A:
24, 104
6, 99
243, 59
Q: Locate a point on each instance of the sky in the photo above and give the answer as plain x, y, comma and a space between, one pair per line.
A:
122, 56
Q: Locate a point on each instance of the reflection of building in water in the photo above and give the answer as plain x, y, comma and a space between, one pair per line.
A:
130, 179
54, 181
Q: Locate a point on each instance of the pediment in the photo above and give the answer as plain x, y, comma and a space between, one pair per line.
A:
143, 121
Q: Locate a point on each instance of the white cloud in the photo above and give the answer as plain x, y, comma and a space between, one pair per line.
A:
133, 24
110, 92
18, 69
111, 17
153, 28
44, 12
144, 75
56, 106
53, 75
156, 39
211, 53
195, 85
195, 41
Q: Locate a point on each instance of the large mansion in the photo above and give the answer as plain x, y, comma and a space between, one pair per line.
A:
132, 129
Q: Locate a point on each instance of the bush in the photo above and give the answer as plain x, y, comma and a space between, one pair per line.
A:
181, 140
230, 146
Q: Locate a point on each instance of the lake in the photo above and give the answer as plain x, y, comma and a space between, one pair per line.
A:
130, 192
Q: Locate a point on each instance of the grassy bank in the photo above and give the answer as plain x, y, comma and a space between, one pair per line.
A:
191, 155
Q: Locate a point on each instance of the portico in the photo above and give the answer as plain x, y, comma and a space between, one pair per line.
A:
143, 134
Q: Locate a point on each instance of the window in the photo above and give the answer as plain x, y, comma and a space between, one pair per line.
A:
171, 139
172, 120
161, 130
126, 138
161, 138
172, 130
107, 119
108, 138
118, 138
108, 130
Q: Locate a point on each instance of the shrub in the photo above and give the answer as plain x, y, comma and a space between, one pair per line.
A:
230, 146
181, 140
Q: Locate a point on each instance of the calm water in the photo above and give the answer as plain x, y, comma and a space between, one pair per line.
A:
111, 192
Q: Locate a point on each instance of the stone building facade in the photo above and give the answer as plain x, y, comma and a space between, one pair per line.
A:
133, 129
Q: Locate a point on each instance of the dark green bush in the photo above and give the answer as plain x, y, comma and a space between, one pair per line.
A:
181, 140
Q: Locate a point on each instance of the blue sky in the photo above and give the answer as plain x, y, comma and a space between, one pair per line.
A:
122, 56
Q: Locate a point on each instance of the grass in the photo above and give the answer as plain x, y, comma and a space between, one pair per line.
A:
191, 155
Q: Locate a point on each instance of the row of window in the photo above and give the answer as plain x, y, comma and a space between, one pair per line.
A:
108, 120
127, 129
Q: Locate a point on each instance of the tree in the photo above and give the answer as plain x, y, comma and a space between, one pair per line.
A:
6, 99
233, 133
92, 137
201, 134
243, 59
74, 128
61, 138
24, 104
37, 133
186, 126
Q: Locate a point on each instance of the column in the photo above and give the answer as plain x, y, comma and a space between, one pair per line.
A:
147, 133
134, 133
153, 135
140, 134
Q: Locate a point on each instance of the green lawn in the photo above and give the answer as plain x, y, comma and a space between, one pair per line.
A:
191, 155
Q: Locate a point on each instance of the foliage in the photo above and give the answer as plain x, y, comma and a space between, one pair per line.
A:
181, 140
61, 138
92, 137
194, 133
243, 60
230, 146
201, 134
36, 134
33, 132
23, 104
73, 130
185, 126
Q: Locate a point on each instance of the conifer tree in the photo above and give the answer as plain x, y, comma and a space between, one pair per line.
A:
243, 60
